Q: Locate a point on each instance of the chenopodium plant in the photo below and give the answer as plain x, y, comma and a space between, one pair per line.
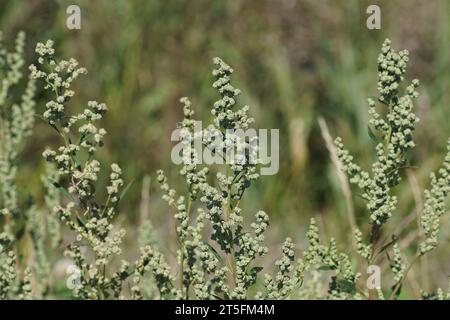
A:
24, 231
16, 122
393, 134
220, 262
223, 265
96, 241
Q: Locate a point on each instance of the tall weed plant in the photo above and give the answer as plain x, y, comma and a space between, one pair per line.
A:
220, 248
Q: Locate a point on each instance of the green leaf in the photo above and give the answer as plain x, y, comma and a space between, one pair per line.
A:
390, 243
253, 275
20, 232
256, 270
326, 267
346, 285
387, 245
372, 136
397, 294
85, 137
63, 190
125, 190
51, 125
216, 254
80, 222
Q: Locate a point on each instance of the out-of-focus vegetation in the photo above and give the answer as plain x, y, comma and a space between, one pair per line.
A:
297, 60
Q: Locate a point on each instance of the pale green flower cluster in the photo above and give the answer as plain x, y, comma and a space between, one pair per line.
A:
286, 280
52, 200
219, 252
21, 220
397, 265
10, 64
97, 242
8, 273
365, 250
393, 141
438, 295
224, 115
393, 135
434, 206
223, 265
38, 232
25, 289
17, 120
327, 257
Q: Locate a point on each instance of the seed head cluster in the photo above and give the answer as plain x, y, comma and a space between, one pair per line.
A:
220, 249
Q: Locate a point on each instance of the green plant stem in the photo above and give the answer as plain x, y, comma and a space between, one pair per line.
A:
228, 207
181, 278
397, 286
106, 205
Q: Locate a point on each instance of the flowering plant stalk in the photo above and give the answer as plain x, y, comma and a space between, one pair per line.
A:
219, 251
393, 135
96, 241
17, 218
221, 264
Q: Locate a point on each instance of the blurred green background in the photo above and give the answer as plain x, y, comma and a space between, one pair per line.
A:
294, 61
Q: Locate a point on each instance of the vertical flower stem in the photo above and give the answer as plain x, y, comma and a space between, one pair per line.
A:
183, 258
228, 208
